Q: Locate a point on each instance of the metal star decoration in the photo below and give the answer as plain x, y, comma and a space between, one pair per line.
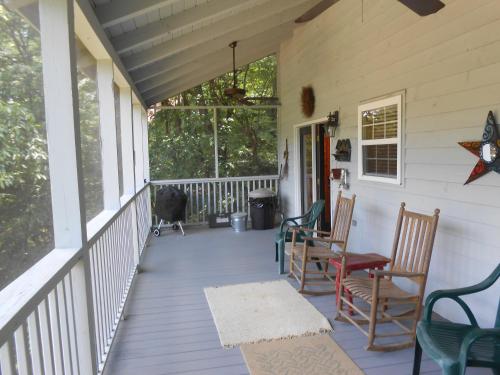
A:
488, 150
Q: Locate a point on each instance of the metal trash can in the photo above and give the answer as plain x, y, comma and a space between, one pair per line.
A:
262, 208
239, 221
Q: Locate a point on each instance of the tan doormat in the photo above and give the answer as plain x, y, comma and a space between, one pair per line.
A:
307, 355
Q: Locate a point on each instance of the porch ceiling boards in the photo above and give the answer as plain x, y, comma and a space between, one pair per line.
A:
169, 46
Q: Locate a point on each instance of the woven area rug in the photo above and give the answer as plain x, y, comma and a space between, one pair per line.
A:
311, 355
256, 312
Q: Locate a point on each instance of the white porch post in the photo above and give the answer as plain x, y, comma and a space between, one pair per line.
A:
145, 148
127, 134
145, 153
138, 144
127, 141
63, 131
108, 135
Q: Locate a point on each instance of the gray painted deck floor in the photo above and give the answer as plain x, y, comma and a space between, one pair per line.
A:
169, 327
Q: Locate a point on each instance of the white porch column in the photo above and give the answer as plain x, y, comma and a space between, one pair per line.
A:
63, 133
127, 141
109, 148
145, 147
145, 153
138, 145
127, 134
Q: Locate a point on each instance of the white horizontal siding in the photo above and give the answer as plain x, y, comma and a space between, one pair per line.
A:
449, 65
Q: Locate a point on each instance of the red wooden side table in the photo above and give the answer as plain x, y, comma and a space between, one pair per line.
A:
357, 262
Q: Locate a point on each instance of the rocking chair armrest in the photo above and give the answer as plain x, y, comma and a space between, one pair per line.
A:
474, 335
382, 273
305, 229
321, 239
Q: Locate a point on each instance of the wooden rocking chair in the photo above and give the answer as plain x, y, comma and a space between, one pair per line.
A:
304, 254
411, 256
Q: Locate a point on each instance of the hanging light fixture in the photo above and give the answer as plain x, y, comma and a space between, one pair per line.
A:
332, 123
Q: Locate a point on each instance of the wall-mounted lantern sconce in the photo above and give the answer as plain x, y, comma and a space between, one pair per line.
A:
340, 175
332, 123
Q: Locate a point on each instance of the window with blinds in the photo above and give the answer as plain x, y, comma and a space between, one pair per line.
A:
379, 147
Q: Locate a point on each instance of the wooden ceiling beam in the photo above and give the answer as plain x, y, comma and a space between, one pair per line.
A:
116, 12
233, 28
186, 20
224, 55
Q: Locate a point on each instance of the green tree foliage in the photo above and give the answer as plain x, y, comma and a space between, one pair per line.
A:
25, 210
181, 142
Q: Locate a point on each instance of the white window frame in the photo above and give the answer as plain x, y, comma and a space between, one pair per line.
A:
398, 100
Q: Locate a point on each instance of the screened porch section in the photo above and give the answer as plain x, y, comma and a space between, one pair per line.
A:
380, 104
76, 188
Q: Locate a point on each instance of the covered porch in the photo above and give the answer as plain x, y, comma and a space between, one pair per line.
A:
409, 94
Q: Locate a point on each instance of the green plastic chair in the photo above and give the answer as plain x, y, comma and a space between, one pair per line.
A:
308, 220
455, 346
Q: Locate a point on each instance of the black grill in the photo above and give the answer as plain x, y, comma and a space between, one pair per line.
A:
170, 205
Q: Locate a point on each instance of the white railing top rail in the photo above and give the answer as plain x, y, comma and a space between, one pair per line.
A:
19, 298
213, 179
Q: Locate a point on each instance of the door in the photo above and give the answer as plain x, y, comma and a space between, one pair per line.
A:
306, 168
323, 175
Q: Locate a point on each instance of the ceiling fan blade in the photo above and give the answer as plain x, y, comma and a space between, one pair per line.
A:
423, 7
315, 11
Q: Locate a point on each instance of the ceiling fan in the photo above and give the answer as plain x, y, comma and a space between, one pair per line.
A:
236, 93
421, 7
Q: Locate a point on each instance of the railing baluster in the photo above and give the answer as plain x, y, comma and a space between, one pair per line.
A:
95, 296
64, 327
190, 201
248, 196
220, 196
102, 293
225, 196
45, 336
209, 207
215, 196
35, 343
107, 286
67, 290
22, 351
7, 361
55, 332
237, 196
243, 196
203, 201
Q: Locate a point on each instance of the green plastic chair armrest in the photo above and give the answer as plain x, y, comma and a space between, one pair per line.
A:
440, 294
455, 294
284, 222
470, 338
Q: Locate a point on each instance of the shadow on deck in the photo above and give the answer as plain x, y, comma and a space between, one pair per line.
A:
169, 327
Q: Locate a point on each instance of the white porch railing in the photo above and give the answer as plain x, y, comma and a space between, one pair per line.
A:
41, 330
212, 195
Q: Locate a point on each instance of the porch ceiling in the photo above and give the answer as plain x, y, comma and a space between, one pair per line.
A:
168, 46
